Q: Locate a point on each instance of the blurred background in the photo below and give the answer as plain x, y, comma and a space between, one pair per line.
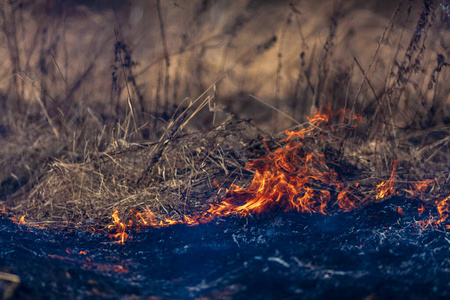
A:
293, 55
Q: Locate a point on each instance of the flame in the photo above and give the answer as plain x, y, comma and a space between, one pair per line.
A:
3, 209
21, 220
422, 185
120, 228
292, 177
344, 201
285, 179
386, 188
443, 208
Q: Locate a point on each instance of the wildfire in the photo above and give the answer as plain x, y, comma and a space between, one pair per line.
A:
293, 177
422, 185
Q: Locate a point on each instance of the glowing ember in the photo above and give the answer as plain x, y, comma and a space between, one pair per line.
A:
443, 209
90, 265
421, 209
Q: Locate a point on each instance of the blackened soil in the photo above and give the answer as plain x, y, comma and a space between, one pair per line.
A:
374, 253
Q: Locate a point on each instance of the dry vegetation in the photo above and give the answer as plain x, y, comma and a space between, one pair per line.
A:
146, 105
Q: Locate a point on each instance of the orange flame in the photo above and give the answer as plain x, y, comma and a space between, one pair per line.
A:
386, 188
285, 179
120, 228
291, 177
443, 208
344, 202
21, 220
422, 185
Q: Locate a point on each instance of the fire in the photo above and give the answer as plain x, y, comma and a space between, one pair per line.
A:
286, 179
386, 188
422, 185
21, 220
443, 208
292, 177
120, 228
344, 201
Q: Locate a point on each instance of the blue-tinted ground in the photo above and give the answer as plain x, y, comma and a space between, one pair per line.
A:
374, 252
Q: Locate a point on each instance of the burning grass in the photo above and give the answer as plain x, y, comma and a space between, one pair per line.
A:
196, 177
302, 174
78, 164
